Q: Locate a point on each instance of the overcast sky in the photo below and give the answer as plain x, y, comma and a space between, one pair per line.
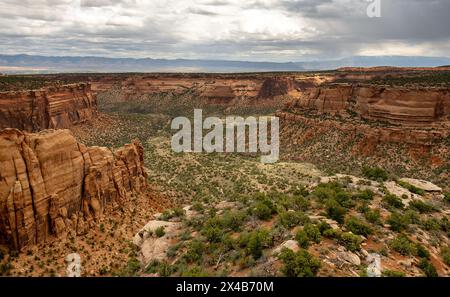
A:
259, 30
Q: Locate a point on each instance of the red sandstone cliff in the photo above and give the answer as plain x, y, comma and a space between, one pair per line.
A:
49, 183
341, 125
49, 108
416, 107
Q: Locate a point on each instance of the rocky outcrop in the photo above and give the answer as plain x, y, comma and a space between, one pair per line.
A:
48, 108
394, 105
50, 183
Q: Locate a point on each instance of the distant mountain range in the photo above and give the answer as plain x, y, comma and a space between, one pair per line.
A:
45, 64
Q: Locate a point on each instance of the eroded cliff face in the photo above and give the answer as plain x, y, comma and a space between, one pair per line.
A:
415, 107
217, 89
50, 183
48, 108
345, 126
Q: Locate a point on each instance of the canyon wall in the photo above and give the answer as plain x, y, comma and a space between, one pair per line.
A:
343, 127
221, 89
48, 108
414, 107
50, 183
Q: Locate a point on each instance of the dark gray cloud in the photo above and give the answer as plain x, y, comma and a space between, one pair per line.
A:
271, 30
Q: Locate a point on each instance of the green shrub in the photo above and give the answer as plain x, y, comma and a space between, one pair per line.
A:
421, 206
323, 227
198, 207
411, 188
212, 233
195, 271
445, 253
398, 222
174, 213
160, 231
351, 241
327, 191
291, 219
366, 195
331, 233
427, 268
335, 211
358, 227
376, 174
195, 251
313, 233
309, 233
133, 266
373, 216
431, 224
302, 238
422, 252
255, 242
300, 264
262, 211
393, 200
403, 245
447, 197
163, 269
233, 220
294, 202
392, 273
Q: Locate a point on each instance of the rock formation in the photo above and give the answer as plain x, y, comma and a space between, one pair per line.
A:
50, 183
48, 108
395, 105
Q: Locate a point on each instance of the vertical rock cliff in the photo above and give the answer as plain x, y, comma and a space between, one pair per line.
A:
50, 183
48, 108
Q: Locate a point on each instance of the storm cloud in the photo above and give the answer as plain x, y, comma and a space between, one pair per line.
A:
258, 30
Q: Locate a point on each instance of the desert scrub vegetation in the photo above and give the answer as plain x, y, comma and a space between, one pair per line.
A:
358, 227
376, 174
300, 264
391, 200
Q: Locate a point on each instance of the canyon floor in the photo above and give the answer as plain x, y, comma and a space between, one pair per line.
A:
230, 215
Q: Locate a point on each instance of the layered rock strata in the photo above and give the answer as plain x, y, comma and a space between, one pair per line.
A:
406, 107
50, 183
48, 108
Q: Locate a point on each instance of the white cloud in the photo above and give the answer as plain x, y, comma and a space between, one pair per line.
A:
277, 30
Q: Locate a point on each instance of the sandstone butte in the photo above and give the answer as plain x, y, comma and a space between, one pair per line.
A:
389, 114
47, 108
50, 183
